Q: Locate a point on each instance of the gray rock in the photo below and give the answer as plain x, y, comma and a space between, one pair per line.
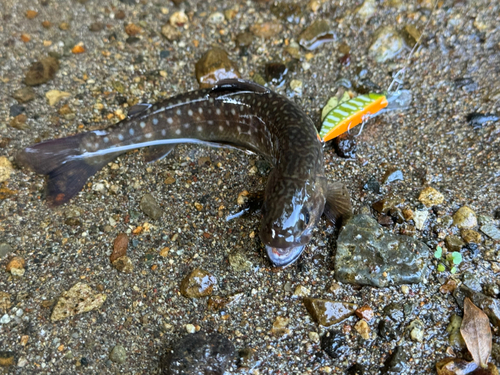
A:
150, 207
491, 231
199, 353
5, 249
368, 256
118, 354
387, 44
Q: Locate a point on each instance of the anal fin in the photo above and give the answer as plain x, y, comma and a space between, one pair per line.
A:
338, 202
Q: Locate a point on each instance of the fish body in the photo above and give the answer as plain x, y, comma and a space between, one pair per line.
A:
235, 113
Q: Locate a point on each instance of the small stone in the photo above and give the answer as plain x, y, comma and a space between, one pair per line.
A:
391, 175
471, 236
244, 39
465, 218
405, 289
123, 264
120, 14
334, 344
454, 243
5, 303
397, 362
367, 9
24, 95
150, 207
275, 72
316, 34
430, 197
41, 71
190, 328
19, 122
326, 312
296, 85
199, 353
214, 66
301, 291
387, 44
384, 205
96, 26
120, 245
5, 171
455, 339
408, 214
216, 18
170, 32
164, 252
169, 180
491, 231
118, 354
266, 29
372, 185
47, 24
345, 146
77, 300
385, 221
239, 261
16, 110
55, 96
64, 26
5, 319
178, 19
365, 312
417, 330
279, 326
30, 14
132, 29
77, 49
363, 329
448, 287
199, 283
420, 217
247, 357
6, 358
15, 263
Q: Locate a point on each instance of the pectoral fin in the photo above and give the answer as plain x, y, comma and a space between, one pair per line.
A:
338, 202
155, 153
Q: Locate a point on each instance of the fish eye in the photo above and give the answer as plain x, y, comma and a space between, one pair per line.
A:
306, 216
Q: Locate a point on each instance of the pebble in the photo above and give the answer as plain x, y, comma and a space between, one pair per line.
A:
216, 18
491, 231
118, 354
132, 29
6, 358
170, 32
372, 185
387, 44
326, 312
275, 72
120, 245
5, 303
239, 261
334, 343
396, 363
41, 71
199, 353
385, 204
367, 9
296, 85
244, 39
448, 287
77, 300
190, 328
16, 266
454, 243
24, 95
55, 96
471, 236
420, 217
266, 30
455, 338
30, 14
365, 312
5, 248
391, 175
214, 66
150, 207
5, 319
178, 19
363, 329
417, 330
430, 197
345, 146
123, 264
96, 26
6, 169
465, 218
301, 291
316, 34
19, 122
279, 326
199, 283
363, 247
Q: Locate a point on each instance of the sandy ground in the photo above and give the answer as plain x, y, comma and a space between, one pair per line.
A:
431, 143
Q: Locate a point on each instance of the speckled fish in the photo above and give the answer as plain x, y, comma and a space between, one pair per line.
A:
234, 113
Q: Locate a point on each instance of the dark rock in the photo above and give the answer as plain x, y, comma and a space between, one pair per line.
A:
275, 72
290, 12
384, 205
244, 39
6, 358
150, 207
24, 95
396, 363
164, 54
345, 146
397, 215
263, 167
247, 357
368, 256
491, 231
465, 83
198, 283
16, 110
42, 71
326, 312
372, 185
316, 34
355, 369
84, 361
479, 119
389, 329
334, 344
471, 281
120, 245
385, 221
96, 26
214, 66
391, 175
394, 311
199, 353
454, 243
489, 305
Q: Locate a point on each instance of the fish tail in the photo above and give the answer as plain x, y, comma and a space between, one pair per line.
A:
66, 172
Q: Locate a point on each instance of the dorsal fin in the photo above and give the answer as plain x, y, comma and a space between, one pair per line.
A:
137, 109
227, 86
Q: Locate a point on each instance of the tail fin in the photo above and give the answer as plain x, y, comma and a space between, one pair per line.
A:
58, 160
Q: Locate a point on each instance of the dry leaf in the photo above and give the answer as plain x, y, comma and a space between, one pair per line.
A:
455, 366
476, 332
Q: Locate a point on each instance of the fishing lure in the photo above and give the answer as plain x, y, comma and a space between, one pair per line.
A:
358, 110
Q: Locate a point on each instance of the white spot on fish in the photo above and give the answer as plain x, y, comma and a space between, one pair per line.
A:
233, 112
211, 100
96, 146
163, 132
199, 128
178, 112
178, 131
190, 113
170, 120
238, 128
217, 111
131, 131
221, 128
241, 108
186, 125
228, 123
148, 135
105, 139
210, 122
142, 124
200, 110
155, 121
120, 137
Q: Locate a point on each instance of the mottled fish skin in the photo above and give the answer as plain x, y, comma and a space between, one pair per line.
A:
234, 113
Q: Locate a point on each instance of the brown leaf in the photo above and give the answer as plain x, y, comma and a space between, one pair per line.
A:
476, 332
455, 366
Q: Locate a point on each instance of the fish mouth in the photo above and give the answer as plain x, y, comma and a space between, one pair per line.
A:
284, 257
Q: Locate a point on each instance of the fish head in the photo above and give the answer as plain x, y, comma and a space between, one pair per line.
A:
291, 210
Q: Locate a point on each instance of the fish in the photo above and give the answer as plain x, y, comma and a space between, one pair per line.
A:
234, 113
